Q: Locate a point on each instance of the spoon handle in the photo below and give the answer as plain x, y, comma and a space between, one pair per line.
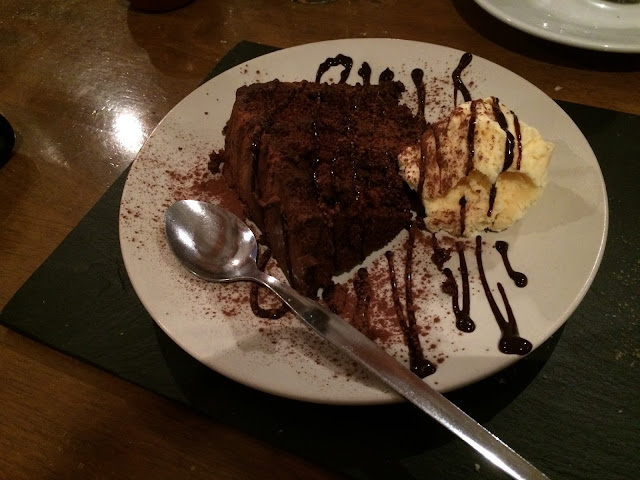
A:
367, 353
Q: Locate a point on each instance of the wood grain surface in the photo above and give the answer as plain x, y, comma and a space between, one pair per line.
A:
76, 76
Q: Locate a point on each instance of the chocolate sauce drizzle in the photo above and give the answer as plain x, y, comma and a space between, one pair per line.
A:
386, 76
417, 75
339, 59
458, 84
492, 199
256, 140
365, 73
316, 156
463, 214
510, 141
423, 166
285, 240
423, 160
316, 142
255, 156
362, 287
519, 278
510, 342
353, 154
422, 366
516, 126
258, 311
418, 363
440, 255
464, 323
508, 148
471, 136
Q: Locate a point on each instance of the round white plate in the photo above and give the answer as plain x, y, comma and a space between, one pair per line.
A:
558, 244
594, 24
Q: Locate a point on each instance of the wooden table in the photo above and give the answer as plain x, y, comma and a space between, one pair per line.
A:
69, 70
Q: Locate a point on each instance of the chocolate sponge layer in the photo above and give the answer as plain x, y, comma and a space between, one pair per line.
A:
316, 168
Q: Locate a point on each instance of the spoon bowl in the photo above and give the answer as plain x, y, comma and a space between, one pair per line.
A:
210, 241
216, 246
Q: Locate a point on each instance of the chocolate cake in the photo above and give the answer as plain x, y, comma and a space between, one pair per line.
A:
316, 168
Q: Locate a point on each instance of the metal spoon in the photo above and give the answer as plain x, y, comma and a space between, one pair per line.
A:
216, 246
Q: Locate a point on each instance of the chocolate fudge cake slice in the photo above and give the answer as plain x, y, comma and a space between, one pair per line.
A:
316, 167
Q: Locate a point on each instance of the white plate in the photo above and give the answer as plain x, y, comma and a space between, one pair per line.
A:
558, 244
594, 24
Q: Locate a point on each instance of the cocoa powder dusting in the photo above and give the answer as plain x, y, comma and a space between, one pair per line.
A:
336, 296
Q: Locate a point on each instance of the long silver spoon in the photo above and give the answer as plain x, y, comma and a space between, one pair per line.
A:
217, 246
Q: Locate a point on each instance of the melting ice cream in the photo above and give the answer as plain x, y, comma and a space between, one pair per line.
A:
479, 169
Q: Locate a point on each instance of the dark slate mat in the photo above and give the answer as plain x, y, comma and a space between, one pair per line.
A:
570, 407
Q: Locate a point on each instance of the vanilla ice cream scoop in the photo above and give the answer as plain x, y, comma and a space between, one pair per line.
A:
478, 169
